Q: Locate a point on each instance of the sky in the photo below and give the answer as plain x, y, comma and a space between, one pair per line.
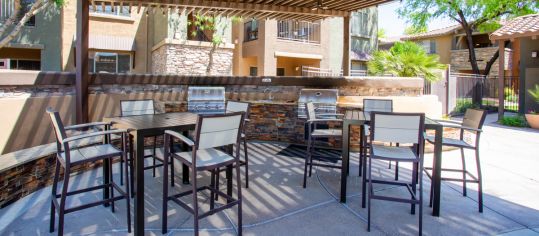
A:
388, 19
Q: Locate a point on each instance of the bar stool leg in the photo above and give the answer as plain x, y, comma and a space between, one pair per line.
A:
111, 181
63, 202
307, 157
126, 195
246, 163
369, 196
54, 192
479, 181
463, 172
195, 200
164, 219
238, 183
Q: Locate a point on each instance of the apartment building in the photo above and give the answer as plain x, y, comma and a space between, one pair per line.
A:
294, 48
137, 40
451, 45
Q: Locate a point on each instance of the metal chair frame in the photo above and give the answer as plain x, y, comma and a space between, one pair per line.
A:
417, 177
214, 169
473, 123
148, 111
312, 123
63, 161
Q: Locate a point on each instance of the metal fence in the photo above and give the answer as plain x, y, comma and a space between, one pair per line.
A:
479, 90
301, 31
315, 71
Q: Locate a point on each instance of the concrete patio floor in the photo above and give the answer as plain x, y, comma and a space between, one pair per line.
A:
276, 204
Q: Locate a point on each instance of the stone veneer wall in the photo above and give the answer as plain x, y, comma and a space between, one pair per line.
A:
460, 59
186, 59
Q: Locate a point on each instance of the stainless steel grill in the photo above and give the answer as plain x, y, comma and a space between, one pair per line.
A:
206, 100
325, 101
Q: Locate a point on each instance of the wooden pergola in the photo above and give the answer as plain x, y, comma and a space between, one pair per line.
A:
520, 27
305, 10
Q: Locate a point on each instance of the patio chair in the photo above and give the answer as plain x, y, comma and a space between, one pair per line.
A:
68, 157
211, 132
370, 105
137, 108
232, 107
471, 123
316, 133
404, 128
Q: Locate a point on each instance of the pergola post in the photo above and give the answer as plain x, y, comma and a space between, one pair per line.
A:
501, 84
81, 83
346, 46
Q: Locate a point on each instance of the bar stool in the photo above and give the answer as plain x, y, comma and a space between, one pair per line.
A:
472, 123
232, 107
68, 157
315, 133
404, 128
211, 132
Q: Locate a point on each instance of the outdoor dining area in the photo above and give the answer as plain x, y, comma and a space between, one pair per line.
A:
210, 142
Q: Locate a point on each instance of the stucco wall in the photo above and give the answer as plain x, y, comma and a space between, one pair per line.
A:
529, 72
134, 26
44, 35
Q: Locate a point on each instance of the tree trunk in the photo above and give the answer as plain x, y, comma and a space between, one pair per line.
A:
210, 58
478, 87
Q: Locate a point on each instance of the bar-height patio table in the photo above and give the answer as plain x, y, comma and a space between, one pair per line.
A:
146, 126
359, 118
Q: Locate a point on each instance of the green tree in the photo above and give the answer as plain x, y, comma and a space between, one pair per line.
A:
470, 14
405, 59
415, 29
23, 12
217, 26
381, 34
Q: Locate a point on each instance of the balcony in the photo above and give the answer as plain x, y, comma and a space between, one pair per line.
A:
299, 31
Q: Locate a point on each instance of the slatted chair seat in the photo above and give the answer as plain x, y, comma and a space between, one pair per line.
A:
207, 157
393, 153
451, 142
327, 133
92, 153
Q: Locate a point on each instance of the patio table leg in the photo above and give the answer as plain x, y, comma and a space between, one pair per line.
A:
185, 168
345, 159
139, 183
436, 173
106, 171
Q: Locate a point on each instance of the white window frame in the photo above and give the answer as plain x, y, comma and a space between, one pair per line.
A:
116, 54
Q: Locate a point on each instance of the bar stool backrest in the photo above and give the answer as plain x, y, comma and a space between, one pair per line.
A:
137, 107
370, 105
57, 125
397, 127
474, 118
218, 130
311, 111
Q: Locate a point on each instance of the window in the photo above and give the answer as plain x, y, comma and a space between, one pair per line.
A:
110, 62
429, 46
19, 64
360, 23
253, 71
280, 71
117, 10
251, 30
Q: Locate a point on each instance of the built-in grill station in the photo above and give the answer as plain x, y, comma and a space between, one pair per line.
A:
206, 100
324, 100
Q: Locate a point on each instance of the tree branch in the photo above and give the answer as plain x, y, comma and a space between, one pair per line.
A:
11, 20
493, 59
38, 6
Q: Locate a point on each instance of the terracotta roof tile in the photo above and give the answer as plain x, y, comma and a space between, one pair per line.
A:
433, 33
519, 27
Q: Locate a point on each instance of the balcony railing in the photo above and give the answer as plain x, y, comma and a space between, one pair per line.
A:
6, 9
300, 31
315, 71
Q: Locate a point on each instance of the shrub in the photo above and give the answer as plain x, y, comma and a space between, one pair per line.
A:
514, 121
462, 105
